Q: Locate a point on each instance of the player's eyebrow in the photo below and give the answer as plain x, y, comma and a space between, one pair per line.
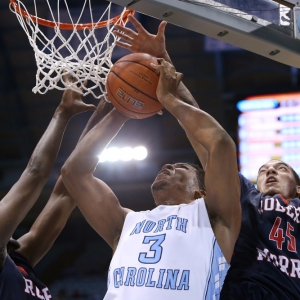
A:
182, 165
281, 163
276, 165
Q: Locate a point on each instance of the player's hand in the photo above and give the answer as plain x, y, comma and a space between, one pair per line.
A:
169, 79
142, 40
72, 100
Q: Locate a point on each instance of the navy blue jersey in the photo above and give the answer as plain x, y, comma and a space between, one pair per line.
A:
19, 282
266, 260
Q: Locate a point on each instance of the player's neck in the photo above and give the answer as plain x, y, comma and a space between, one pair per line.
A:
164, 197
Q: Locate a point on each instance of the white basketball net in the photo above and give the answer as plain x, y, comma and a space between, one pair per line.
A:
56, 56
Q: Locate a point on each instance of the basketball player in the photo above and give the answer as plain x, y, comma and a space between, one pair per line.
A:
265, 265
182, 248
17, 258
266, 261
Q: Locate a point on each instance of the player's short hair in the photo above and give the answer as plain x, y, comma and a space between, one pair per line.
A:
200, 174
296, 176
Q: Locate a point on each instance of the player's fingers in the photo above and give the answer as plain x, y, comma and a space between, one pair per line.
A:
161, 29
75, 78
136, 23
88, 107
160, 113
179, 77
82, 86
123, 31
123, 45
156, 67
161, 61
67, 77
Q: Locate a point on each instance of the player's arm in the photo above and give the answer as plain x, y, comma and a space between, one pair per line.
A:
95, 199
50, 222
19, 200
221, 177
141, 40
46, 228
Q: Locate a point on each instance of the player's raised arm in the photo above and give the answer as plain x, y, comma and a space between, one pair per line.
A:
95, 199
48, 225
141, 40
221, 177
18, 201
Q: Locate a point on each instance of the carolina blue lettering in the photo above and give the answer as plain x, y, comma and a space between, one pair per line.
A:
117, 282
170, 219
181, 224
160, 278
138, 228
130, 276
171, 279
184, 280
141, 276
122, 275
149, 226
150, 283
160, 225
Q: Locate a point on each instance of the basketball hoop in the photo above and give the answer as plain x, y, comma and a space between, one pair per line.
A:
72, 48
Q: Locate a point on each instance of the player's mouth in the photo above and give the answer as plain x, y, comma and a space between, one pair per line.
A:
164, 171
271, 180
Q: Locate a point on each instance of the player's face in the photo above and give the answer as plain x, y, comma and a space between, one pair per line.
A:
176, 177
276, 177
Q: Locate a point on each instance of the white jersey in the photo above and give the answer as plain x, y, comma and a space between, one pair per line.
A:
168, 253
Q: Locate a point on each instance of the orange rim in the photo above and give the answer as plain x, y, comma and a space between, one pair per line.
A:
68, 26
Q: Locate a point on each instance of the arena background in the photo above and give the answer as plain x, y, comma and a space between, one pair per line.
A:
218, 75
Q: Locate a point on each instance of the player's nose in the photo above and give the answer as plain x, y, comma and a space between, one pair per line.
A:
271, 170
168, 166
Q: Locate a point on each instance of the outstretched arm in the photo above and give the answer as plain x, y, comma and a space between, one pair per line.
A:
49, 224
141, 40
221, 176
19, 200
95, 199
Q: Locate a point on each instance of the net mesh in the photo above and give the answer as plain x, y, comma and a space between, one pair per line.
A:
76, 52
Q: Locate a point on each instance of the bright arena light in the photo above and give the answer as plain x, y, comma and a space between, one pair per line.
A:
113, 154
125, 154
140, 153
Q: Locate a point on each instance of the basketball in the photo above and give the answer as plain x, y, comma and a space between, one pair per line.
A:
131, 86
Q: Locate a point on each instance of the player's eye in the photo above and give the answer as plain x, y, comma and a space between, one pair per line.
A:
183, 167
282, 168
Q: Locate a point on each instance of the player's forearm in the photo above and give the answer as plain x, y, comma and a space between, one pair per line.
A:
84, 158
184, 94
102, 110
203, 128
44, 155
182, 91
49, 223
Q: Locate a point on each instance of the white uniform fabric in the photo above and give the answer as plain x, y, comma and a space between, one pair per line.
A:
167, 253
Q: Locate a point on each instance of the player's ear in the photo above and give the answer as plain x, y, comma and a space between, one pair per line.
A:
199, 194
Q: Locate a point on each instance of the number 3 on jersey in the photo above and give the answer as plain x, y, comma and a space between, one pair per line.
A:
156, 249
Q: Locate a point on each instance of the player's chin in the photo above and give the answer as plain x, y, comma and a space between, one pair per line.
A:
271, 191
158, 184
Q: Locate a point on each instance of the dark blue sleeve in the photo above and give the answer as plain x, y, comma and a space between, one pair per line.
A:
22, 261
246, 185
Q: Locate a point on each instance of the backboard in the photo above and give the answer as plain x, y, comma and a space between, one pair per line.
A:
264, 27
